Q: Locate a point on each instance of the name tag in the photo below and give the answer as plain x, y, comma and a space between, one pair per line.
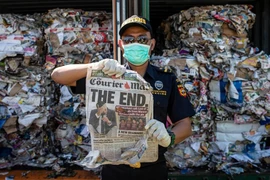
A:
159, 92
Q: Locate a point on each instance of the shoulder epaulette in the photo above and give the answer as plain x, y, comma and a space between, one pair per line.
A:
165, 69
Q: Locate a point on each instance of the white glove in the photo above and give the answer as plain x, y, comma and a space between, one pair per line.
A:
157, 130
110, 67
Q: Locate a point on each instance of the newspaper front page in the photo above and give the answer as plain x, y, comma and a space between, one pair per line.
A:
117, 109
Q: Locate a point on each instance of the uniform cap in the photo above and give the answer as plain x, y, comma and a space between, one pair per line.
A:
136, 21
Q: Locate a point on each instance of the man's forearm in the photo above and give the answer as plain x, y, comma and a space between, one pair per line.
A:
182, 130
69, 74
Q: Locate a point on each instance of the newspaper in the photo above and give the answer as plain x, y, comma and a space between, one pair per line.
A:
117, 109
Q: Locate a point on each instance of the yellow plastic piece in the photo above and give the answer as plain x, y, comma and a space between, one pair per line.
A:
136, 165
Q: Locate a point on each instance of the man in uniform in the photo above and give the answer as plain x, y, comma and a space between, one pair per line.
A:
170, 99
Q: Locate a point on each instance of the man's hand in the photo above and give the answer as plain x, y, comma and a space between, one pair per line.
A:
106, 119
110, 67
156, 129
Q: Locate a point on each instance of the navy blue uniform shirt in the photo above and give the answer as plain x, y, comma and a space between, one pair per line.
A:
170, 97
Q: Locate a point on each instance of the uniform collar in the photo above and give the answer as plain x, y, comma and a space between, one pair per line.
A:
149, 70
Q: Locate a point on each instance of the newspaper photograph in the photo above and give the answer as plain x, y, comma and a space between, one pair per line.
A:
117, 109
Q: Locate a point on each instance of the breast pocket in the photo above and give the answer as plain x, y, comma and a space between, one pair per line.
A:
160, 107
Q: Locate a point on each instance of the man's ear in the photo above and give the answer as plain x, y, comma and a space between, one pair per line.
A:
120, 44
153, 43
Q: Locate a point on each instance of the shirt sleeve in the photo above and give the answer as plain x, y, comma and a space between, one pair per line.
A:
80, 87
179, 104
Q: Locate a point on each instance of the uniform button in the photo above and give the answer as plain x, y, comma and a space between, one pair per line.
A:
158, 103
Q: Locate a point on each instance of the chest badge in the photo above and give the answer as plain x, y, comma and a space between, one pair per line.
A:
158, 85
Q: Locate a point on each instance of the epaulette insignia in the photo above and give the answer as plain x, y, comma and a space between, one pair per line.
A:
166, 69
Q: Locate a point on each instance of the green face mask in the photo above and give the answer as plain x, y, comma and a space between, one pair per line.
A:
136, 53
